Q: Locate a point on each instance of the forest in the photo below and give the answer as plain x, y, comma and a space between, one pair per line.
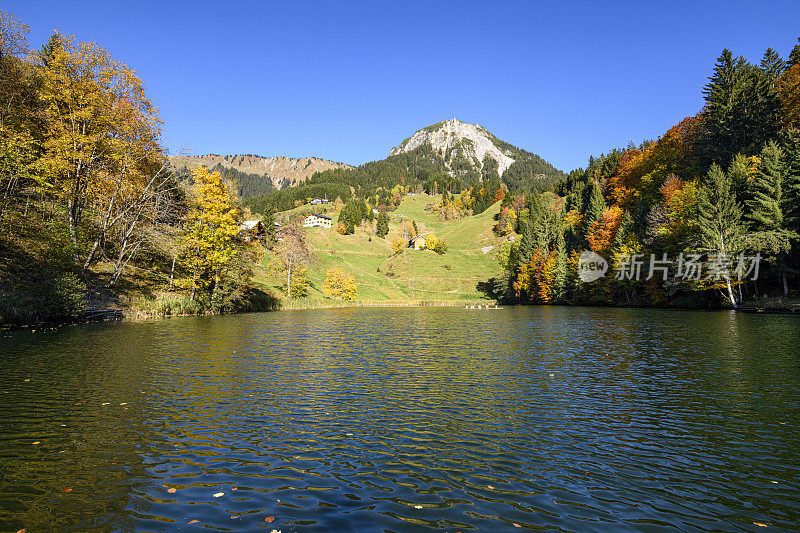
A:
92, 214
90, 209
419, 170
708, 215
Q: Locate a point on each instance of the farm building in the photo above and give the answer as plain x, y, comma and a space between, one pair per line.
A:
418, 242
317, 221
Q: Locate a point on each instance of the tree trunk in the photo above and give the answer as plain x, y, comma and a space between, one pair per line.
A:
289, 284
214, 291
172, 272
194, 286
785, 283
731, 296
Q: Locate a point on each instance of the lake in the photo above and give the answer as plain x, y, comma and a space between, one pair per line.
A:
404, 419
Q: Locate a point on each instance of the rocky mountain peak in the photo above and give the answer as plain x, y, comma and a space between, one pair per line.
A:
455, 140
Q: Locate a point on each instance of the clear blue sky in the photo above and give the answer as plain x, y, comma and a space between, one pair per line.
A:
349, 80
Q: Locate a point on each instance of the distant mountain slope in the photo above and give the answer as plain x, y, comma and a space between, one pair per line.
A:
470, 150
281, 171
447, 156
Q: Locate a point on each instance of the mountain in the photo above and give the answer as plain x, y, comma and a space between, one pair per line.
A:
450, 156
471, 150
280, 171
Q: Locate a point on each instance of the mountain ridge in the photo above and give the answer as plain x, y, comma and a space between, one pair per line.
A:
282, 171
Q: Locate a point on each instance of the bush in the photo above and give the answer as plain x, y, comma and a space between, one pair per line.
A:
45, 295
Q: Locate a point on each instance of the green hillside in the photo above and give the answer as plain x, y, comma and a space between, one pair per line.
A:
410, 276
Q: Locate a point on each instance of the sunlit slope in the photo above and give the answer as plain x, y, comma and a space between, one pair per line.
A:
412, 275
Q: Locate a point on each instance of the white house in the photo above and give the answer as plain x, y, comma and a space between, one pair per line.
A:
317, 221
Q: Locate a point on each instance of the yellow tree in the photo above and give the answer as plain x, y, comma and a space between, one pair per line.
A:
102, 132
211, 237
340, 284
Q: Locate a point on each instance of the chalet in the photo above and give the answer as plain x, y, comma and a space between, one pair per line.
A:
318, 201
252, 230
317, 221
418, 242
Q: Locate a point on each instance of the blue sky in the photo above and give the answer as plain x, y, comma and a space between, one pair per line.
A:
348, 80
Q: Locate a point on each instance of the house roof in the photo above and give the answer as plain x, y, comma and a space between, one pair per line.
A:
250, 224
320, 216
420, 236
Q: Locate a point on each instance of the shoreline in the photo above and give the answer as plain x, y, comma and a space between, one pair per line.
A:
137, 315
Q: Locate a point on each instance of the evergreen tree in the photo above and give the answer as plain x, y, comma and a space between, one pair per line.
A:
739, 172
382, 226
768, 210
560, 281
722, 232
772, 65
595, 209
742, 109
794, 55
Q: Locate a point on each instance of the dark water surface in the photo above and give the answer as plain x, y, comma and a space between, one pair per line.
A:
559, 419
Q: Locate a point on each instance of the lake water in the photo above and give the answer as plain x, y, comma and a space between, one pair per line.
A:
404, 419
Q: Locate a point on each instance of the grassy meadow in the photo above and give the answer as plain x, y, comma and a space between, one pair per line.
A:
411, 276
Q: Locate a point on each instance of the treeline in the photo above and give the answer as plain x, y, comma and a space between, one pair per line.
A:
708, 214
87, 193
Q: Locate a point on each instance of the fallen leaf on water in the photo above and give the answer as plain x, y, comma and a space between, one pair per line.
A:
36, 442
269, 519
516, 525
67, 490
417, 507
124, 403
234, 517
217, 495
28, 379
234, 488
491, 487
759, 524
77, 403
106, 403
172, 490
21, 531
195, 522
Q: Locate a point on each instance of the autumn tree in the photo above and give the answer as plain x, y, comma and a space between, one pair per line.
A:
212, 231
292, 253
340, 284
102, 143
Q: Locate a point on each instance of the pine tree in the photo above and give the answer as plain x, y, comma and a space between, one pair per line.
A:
595, 209
560, 281
794, 55
742, 109
382, 226
768, 210
772, 65
722, 231
739, 172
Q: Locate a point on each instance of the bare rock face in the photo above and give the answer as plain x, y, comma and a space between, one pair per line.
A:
456, 140
282, 171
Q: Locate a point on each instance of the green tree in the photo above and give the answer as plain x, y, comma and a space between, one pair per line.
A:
722, 231
382, 226
769, 210
742, 108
